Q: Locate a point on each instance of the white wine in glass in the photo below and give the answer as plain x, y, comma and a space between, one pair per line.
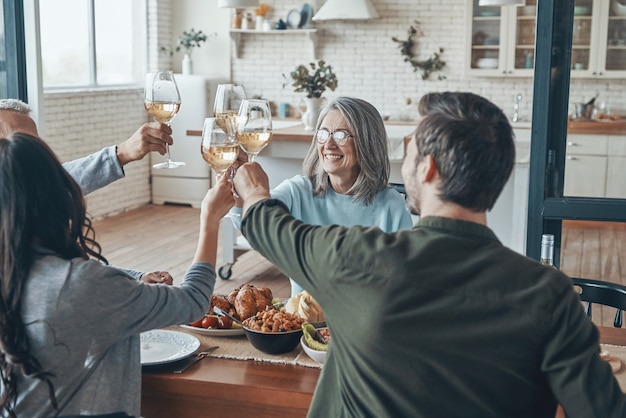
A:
254, 126
162, 102
218, 149
228, 99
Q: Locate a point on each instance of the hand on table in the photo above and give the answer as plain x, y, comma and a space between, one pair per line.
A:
162, 277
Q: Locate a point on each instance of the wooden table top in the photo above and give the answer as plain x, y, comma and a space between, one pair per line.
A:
216, 387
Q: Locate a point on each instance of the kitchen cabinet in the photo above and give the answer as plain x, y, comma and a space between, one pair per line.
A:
615, 172
237, 36
500, 40
598, 40
586, 165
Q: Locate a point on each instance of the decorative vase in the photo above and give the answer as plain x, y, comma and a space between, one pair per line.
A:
312, 113
187, 64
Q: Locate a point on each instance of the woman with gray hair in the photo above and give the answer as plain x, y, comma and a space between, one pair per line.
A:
346, 174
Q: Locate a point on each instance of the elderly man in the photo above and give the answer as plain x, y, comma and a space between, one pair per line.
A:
441, 320
100, 168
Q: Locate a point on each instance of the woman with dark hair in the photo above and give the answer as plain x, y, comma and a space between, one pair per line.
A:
69, 323
346, 174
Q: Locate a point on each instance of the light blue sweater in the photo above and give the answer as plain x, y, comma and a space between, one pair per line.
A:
388, 211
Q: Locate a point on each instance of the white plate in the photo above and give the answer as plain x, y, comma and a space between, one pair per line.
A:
215, 332
294, 19
163, 346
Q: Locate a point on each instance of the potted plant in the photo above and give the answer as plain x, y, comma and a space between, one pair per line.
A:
188, 40
313, 80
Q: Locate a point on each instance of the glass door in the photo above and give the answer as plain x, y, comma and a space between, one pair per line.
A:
486, 39
615, 37
525, 36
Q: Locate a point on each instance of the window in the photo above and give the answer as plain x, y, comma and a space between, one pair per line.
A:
89, 43
12, 58
555, 214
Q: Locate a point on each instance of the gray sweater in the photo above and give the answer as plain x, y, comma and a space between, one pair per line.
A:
83, 321
96, 170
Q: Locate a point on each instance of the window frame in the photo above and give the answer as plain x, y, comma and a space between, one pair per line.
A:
549, 131
15, 49
93, 63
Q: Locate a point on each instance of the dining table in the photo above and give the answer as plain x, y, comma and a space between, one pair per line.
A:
261, 387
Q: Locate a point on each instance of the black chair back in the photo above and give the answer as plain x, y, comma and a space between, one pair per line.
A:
603, 293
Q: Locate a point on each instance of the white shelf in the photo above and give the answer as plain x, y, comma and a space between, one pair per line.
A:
236, 35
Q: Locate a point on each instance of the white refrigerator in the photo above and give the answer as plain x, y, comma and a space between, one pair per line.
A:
186, 185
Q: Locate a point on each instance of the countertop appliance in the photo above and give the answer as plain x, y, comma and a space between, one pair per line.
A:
188, 184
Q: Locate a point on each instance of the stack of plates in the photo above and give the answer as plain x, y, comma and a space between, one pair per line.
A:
299, 19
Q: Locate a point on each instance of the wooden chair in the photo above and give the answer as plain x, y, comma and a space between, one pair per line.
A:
603, 293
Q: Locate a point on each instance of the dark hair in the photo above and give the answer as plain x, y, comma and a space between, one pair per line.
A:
471, 141
40, 204
370, 145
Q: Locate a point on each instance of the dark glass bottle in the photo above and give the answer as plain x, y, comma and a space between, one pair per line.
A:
552, 176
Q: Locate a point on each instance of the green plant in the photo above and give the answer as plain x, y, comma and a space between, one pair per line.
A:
314, 80
408, 48
188, 41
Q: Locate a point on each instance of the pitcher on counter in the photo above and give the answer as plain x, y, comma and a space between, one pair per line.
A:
346, 174
441, 320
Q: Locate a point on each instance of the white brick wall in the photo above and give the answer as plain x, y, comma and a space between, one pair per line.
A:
80, 123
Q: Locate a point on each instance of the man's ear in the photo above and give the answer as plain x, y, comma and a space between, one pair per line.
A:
427, 169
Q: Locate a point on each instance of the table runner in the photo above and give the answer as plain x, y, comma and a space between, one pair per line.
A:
239, 348
618, 351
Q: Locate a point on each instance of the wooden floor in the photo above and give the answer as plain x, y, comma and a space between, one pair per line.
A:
157, 237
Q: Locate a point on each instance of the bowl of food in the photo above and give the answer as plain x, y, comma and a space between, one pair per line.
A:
273, 331
315, 342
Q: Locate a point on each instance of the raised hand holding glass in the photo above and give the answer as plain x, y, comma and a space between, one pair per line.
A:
162, 102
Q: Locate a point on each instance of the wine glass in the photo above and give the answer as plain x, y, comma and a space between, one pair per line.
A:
162, 102
254, 126
218, 148
228, 99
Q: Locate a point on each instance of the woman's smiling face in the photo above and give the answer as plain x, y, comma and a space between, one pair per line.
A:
339, 162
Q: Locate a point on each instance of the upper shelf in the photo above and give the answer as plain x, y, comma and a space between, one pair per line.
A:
237, 37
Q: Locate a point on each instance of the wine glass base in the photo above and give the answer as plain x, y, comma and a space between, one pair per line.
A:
169, 164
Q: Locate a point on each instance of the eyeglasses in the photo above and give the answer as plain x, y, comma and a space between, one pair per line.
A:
340, 137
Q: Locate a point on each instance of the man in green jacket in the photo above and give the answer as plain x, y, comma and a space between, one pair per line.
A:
440, 320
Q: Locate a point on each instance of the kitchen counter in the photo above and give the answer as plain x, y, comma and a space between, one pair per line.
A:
596, 128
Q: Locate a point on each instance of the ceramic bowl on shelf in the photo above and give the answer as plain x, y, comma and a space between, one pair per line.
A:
487, 63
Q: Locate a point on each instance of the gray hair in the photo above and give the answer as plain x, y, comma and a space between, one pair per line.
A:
15, 105
370, 143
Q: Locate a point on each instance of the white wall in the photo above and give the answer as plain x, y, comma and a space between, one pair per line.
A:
213, 57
